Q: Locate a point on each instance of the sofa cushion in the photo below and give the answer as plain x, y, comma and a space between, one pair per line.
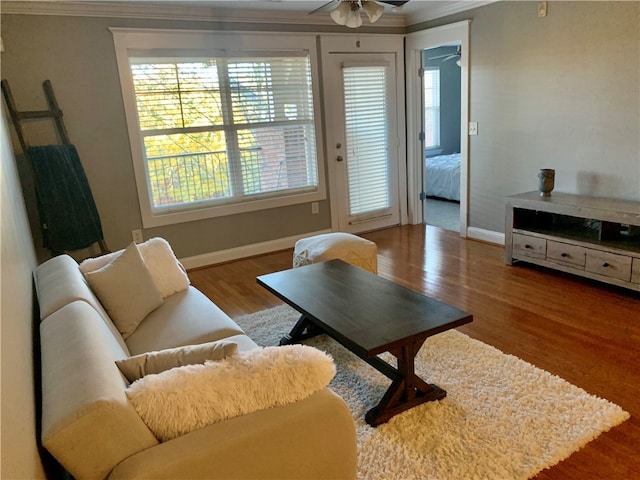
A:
184, 399
167, 272
312, 439
155, 362
84, 406
126, 289
59, 283
185, 318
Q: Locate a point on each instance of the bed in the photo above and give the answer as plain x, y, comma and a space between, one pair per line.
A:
443, 176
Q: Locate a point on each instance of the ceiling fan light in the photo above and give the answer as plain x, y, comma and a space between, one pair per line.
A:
354, 20
339, 14
373, 10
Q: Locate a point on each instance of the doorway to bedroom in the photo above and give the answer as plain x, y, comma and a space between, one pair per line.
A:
417, 46
441, 87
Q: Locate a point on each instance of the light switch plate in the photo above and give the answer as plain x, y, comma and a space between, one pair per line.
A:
542, 9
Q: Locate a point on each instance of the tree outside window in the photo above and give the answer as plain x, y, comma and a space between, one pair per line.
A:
220, 130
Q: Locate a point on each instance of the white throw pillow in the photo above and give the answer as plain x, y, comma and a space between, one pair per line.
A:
183, 399
126, 290
138, 366
166, 270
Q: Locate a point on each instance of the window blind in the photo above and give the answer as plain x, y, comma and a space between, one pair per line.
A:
225, 129
366, 125
431, 82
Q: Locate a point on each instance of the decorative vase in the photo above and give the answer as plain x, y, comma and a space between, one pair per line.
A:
546, 180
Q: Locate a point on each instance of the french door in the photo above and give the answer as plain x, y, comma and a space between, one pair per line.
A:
362, 135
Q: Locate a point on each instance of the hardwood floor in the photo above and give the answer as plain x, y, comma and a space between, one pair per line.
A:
582, 331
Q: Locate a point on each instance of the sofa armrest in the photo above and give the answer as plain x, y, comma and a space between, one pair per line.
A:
313, 438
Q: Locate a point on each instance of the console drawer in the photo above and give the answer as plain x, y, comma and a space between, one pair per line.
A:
527, 246
566, 254
635, 271
608, 264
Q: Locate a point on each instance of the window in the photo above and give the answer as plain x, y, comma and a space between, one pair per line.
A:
221, 131
431, 82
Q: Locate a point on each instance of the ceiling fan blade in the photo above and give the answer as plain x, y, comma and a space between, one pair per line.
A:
449, 56
326, 7
398, 3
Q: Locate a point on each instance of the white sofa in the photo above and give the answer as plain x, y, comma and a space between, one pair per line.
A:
90, 426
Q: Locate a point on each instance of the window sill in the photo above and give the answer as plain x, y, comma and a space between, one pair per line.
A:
151, 219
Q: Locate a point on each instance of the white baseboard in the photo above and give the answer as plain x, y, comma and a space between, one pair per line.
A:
488, 236
261, 248
252, 250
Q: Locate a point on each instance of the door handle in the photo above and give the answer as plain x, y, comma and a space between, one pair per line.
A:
339, 158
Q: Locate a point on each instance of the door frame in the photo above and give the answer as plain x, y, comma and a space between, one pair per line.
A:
416, 43
366, 44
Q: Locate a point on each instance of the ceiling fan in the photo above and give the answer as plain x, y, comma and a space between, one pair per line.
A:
347, 12
449, 56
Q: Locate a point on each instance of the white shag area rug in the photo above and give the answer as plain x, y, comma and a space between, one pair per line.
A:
502, 418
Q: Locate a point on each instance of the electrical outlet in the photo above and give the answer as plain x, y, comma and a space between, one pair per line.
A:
473, 128
315, 208
137, 236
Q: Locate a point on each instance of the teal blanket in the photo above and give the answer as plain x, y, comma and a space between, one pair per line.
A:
68, 213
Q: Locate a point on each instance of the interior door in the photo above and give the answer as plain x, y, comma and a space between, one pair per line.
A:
362, 136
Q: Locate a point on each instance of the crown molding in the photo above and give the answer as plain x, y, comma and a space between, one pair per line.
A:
443, 9
172, 12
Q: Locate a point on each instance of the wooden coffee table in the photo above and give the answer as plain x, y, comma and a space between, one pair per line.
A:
368, 315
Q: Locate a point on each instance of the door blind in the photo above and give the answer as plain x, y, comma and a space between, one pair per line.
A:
366, 125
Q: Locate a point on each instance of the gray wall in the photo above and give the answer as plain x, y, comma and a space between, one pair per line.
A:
77, 55
556, 92
19, 458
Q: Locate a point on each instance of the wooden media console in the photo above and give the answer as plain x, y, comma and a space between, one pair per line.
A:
597, 238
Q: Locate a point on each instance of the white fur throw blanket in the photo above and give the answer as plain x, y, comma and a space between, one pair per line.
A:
183, 399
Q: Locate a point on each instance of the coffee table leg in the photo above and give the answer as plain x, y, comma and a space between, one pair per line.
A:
405, 392
302, 330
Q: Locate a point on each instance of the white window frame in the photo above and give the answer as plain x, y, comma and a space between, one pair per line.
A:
433, 109
126, 39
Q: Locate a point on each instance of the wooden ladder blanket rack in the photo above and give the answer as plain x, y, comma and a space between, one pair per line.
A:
68, 216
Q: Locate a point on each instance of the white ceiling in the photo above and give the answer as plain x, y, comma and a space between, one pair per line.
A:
414, 11
293, 5
413, 6
258, 11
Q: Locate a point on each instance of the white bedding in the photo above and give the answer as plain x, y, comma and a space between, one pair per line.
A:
443, 176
